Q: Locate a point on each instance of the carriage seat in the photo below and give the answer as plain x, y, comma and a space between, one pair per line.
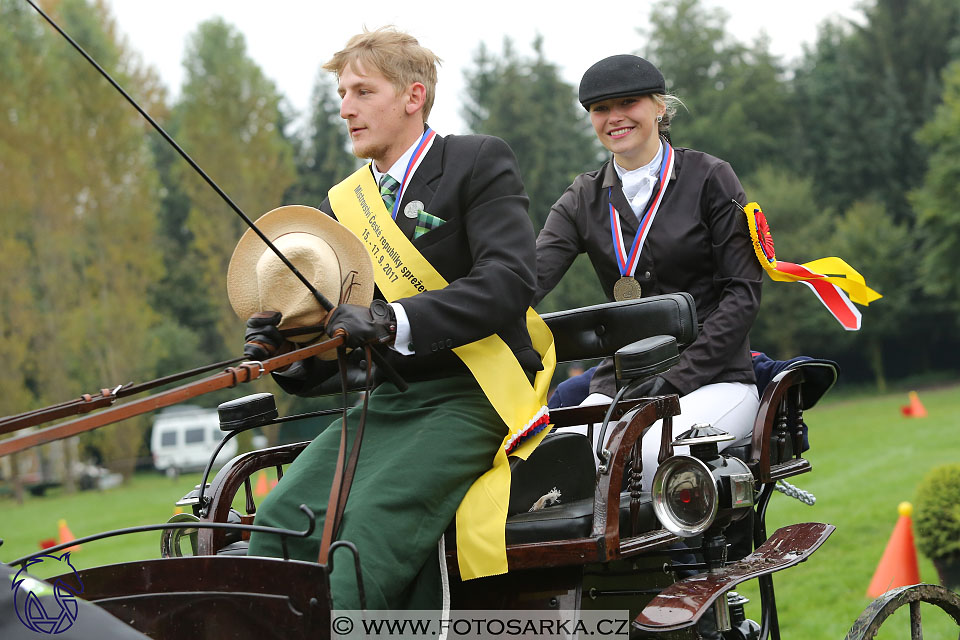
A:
563, 465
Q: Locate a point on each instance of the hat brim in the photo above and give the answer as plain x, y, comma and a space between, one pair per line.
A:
242, 287
621, 94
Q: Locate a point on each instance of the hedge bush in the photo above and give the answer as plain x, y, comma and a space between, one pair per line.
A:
937, 512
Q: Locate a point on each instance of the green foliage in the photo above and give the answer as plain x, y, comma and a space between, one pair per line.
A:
228, 119
322, 157
80, 210
863, 91
525, 102
937, 512
867, 237
936, 200
792, 321
737, 102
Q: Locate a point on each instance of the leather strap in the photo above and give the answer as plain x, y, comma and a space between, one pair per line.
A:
329, 526
344, 473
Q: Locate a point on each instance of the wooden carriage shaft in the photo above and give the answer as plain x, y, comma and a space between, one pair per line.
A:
229, 378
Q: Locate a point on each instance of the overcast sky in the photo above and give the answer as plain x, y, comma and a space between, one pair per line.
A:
290, 39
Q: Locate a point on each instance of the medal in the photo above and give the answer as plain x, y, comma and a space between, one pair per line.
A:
413, 208
626, 288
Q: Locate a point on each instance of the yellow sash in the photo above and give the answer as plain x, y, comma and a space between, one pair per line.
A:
401, 271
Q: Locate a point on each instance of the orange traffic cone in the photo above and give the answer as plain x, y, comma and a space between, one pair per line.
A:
261, 489
65, 535
915, 409
898, 566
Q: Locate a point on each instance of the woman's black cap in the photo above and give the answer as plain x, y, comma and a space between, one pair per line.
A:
620, 76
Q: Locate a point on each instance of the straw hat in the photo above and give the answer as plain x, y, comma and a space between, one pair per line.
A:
328, 255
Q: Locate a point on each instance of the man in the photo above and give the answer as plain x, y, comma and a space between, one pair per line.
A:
461, 202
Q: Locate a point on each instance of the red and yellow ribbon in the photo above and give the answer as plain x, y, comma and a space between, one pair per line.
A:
828, 278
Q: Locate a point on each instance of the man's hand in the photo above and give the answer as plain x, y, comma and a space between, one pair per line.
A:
376, 324
262, 337
655, 386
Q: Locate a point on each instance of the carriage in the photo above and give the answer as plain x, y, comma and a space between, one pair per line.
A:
670, 558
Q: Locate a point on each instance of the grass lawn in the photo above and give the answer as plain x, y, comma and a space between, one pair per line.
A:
867, 458
148, 499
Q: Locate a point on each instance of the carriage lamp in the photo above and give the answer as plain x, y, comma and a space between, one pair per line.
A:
692, 492
735, 481
685, 497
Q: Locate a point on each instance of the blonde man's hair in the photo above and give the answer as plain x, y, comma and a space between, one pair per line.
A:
395, 54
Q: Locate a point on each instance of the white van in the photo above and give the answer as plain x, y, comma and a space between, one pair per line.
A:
184, 437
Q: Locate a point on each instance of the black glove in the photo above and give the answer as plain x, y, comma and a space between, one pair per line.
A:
655, 386
262, 337
376, 324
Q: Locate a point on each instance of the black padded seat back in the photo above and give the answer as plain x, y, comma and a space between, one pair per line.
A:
819, 376
599, 330
562, 461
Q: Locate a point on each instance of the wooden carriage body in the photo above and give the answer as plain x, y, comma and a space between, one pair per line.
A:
594, 550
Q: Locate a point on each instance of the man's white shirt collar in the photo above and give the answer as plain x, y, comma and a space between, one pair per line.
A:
396, 171
403, 342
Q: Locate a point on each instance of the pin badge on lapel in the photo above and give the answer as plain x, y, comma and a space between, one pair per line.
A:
413, 208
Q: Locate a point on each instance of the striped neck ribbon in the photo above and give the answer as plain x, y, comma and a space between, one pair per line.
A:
628, 262
415, 159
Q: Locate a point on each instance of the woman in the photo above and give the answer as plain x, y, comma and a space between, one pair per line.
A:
655, 220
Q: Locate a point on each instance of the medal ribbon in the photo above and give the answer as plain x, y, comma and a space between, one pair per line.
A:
415, 159
481, 517
628, 264
829, 289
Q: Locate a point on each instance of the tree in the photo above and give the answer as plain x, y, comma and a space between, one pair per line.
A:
525, 102
868, 238
322, 156
80, 200
936, 200
791, 321
736, 97
864, 90
228, 119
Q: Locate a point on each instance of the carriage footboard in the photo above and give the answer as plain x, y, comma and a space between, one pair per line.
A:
684, 602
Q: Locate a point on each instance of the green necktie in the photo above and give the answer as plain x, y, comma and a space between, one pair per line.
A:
388, 191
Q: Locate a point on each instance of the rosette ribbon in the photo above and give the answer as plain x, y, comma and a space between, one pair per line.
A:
835, 283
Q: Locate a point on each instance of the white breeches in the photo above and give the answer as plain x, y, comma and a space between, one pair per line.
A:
730, 406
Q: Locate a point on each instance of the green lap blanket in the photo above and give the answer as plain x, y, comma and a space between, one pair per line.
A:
421, 451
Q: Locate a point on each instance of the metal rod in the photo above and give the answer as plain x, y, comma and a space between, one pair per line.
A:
316, 294
181, 525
